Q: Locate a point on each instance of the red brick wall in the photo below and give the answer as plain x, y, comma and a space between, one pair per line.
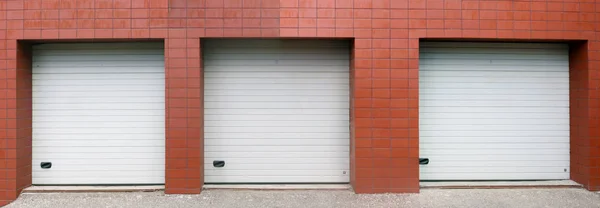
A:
385, 70
21, 107
584, 102
578, 97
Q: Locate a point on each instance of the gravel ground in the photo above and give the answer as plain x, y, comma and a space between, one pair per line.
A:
463, 198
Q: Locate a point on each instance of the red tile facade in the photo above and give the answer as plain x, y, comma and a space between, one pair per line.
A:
386, 34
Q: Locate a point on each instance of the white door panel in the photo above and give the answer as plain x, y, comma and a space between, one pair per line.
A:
494, 111
277, 111
99, 113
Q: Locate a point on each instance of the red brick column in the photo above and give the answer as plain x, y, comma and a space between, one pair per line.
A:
15, 109
184, 94
8, 145
385, 107
585, 112
593, 63
23, 119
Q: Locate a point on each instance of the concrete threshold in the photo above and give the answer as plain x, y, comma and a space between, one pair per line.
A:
80, 189
279, 186
500, 184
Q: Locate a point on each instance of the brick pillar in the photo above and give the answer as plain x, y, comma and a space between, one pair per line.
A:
385, 113
594, 116
23, 119
8, 141
15, 111
184, 94
585, 128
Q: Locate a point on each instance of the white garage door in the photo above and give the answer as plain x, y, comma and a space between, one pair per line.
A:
98, 113
276, 111
494, 111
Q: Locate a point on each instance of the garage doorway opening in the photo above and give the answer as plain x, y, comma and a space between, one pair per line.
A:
98, 113
276, 111
494, 111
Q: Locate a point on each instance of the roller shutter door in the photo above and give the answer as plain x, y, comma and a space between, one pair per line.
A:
276, 111
494, 111
98, 113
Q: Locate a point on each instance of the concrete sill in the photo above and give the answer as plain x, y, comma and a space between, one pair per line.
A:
500, 184
79, 189
280, 186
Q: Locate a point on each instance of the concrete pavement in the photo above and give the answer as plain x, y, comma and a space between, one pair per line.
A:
463, 198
